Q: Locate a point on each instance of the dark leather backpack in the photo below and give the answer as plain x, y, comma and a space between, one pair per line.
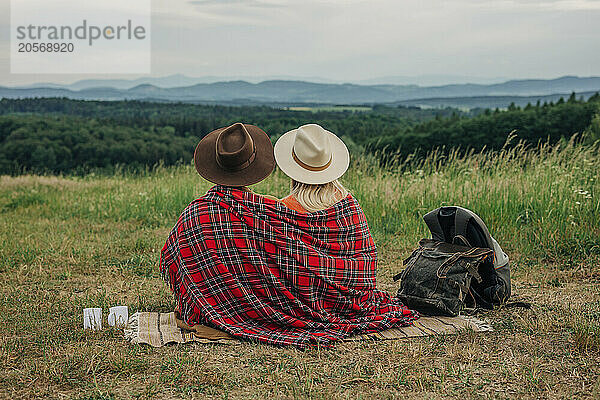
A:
461, 266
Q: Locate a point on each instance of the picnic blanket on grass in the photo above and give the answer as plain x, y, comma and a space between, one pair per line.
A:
159, 329
253, 268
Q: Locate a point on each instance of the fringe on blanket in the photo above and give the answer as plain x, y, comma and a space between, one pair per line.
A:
131, 331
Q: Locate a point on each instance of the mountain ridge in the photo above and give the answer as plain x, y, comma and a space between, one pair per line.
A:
298, 91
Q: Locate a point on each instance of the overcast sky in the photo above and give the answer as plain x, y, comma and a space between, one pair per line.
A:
354, 40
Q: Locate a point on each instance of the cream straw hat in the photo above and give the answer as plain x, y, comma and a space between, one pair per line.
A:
312, 155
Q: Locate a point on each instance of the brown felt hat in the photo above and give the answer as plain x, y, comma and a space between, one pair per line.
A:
238, 155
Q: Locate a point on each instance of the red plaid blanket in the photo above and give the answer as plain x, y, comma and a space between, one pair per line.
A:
258, 270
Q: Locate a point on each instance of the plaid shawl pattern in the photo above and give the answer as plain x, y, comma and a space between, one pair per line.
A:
258, 270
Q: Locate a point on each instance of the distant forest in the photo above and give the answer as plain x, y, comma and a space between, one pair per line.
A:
58, 135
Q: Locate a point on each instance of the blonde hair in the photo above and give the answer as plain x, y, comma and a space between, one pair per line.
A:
318, 197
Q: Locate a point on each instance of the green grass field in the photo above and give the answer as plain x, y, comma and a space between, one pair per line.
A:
94, 241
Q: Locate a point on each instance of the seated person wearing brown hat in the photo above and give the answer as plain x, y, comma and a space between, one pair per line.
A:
236, 156
252, 268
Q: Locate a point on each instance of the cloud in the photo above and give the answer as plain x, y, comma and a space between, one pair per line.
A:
249, 3
550, 5
574, 4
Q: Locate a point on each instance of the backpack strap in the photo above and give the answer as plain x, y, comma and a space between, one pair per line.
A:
433, 223
471, 267
461, 220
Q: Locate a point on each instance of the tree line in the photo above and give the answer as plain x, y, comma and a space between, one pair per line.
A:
548, 122
59, 135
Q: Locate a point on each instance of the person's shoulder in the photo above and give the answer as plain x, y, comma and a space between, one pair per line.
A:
351, 203
252, 195
292, 203
197, 207
268, 196
192, 209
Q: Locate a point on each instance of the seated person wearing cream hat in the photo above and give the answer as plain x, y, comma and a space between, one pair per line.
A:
314, 159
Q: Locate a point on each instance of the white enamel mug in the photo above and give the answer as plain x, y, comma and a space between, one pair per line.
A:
92, 318
118, 316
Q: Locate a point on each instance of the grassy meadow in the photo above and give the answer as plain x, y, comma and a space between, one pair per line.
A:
72, 242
